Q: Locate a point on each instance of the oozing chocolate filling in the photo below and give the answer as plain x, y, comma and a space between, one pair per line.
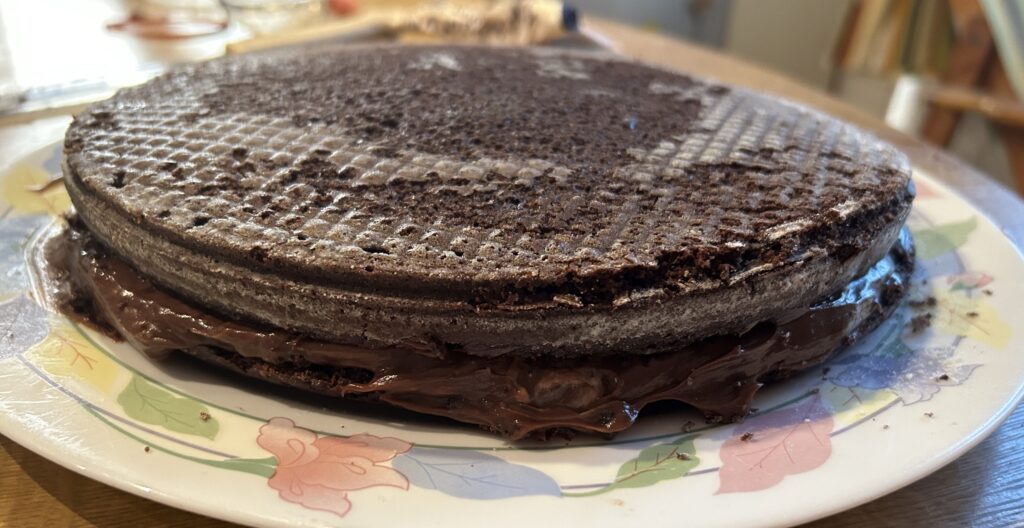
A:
513, 396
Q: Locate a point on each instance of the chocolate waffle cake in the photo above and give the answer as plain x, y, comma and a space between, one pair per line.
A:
526, 239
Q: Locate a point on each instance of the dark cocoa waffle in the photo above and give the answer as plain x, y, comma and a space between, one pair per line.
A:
500, 200
486, 202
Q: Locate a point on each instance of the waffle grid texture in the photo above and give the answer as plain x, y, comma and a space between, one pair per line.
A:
500, 175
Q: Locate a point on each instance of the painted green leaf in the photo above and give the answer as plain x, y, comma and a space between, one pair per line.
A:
263, 467
658, 462
151, 404
940, 239
654, 464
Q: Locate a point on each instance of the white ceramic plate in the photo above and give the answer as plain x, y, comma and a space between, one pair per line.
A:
889, 411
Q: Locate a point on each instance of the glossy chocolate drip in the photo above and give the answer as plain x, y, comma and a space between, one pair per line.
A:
513, 396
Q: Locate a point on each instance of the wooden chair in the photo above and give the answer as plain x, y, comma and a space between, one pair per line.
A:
976, 82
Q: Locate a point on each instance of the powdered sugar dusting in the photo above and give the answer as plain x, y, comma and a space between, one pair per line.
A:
429, 61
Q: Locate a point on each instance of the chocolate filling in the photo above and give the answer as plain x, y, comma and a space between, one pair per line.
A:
513, 396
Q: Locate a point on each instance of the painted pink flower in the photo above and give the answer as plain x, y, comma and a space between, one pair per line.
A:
767, 448
318, 472
969, 280
924, 190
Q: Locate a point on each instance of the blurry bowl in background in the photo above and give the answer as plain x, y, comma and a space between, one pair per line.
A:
270, 16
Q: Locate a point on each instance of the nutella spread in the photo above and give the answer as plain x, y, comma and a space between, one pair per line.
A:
511, 395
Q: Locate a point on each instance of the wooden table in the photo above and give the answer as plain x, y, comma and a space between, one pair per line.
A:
983, 488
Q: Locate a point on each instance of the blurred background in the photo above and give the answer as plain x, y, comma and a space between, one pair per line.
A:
949, 71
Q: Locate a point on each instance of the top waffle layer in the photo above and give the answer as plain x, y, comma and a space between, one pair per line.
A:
494, 174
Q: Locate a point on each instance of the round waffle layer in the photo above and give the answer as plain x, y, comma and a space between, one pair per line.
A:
482, 200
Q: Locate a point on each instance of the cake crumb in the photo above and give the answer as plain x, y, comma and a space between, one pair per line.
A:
919, 323
930, 414
921, 303
944, 377
748, 436
146, 449
972, 314
204, 416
